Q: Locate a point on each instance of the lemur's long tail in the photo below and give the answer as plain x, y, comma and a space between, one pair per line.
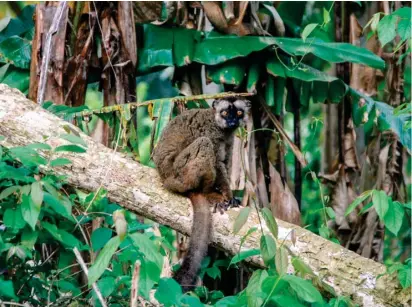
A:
199, 240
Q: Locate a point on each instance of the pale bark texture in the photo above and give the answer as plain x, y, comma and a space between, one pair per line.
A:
138, 189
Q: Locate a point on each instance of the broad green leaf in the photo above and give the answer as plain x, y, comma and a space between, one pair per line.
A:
270, 91
386, 29
270, 221
7, 289
17, 51
69, 240
52, 230
335, 87
29, 238
404, 24
331, 52
307, 30
357, 202
100, 237
192, 301
304, 289
301, 267
39, 146
149, 275
326, 16
60, 206
267, 248
68, 287
17, 26
158, 48
254, 287
30, 211
60, 162
74, 139
107, 285
216, 49
285, 301
17, 78
394, 217
249, 232
281, 260
162, 111
70, 148
103, 259
231, 72
243, 255
184, 43
13, 218
331, 213
380, 203
36, 193
147, 247
241, 219
168, 292
387, 119
404, 276
253, 77
8, 191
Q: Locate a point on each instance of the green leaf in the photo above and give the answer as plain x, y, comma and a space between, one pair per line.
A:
17, 26
267, 248
147, 247
192, 301
241, 219
304, 289
404, 276
386, 29
29, 238
331, 213
404, 24
7, 289
100, 237
8, 191
61, 206
249, 232
243, 255
285, 301
37, 193
253, 77
149, 275
103, 259
71, 148
107, 285
380, 203
270, 221
12, 218
30, 211
254, 287
326, 16
17, 51
281, 260
394, 217
73, 139
331, 52
60, 162
308, 29
301, 267
357, 202
162, 111
231, 72
17, 78
168, 292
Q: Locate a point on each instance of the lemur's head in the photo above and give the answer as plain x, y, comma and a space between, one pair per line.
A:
231, 113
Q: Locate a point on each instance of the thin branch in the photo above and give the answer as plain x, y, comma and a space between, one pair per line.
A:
135, 284
86, 271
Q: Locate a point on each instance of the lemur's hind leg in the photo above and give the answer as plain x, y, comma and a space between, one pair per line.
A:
194, 168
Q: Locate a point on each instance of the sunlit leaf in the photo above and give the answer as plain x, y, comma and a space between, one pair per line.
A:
241, 219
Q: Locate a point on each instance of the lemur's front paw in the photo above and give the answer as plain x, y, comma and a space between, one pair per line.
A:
233, 202
224, 206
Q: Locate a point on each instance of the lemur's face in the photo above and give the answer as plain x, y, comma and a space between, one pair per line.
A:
231, 113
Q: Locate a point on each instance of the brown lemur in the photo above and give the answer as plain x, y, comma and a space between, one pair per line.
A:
193, 157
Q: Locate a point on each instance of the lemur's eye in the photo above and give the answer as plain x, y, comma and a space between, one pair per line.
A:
224, 113
239, 113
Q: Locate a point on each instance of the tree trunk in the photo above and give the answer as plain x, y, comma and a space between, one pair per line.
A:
138, 189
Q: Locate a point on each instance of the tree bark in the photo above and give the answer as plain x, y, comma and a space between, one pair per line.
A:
138, 189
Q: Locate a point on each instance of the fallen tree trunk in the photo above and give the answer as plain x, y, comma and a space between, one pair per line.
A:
138, 189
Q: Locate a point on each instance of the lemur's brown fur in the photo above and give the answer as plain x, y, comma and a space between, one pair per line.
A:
193, 158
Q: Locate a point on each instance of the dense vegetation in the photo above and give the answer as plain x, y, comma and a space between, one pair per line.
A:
349, 158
